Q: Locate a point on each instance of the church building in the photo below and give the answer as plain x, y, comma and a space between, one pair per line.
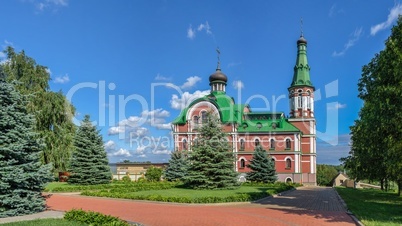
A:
290, 141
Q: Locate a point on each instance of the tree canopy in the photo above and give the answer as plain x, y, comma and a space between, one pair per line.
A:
22, 175
376, 152
89, 163
211, 158
262, 167
52, 111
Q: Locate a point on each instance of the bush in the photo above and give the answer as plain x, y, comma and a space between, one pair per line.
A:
153, 173
126, 178
93, 218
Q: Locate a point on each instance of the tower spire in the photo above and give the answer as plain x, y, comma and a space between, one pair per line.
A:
301, 26
218, 67
301, 76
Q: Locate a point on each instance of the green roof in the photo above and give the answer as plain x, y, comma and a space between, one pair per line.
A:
301, 75
247, 122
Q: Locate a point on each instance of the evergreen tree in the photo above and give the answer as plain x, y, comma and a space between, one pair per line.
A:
153, 173
22, 175
53, 112
211, 160
89, 162
262, 167
177, 168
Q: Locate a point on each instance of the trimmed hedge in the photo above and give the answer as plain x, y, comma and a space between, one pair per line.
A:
120, 186
130, 193
94, 218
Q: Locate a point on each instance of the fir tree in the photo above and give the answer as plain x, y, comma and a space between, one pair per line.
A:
22, 175
211, 160
262, 167
177, 168
89, 163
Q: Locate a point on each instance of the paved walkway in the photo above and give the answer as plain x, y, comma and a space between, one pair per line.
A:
304, 206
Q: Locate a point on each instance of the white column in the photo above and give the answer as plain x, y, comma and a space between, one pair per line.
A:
312, 163
297, 167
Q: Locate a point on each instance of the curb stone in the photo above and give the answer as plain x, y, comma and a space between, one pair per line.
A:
357, 221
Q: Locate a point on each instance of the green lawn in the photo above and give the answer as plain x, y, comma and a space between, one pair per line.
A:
373, 207
45, 222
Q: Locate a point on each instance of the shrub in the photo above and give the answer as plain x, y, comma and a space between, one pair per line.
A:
126, 178
93, 218
153, 173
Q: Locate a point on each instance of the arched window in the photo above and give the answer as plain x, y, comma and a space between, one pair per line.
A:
288, 144
257, 142
288, 163
272, 141
300, 100
184, 144
242, 145
309, 99
242, 163
288, 180
195, 119
273, 161
203, 116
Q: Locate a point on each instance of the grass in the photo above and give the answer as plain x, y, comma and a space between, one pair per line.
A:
373, 207
45, 222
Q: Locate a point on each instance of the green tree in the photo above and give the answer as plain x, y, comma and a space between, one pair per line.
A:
325, 174
262, 167
211, 160
89, 162
153, 173
377, 135
22, 175
53, 113
177, 168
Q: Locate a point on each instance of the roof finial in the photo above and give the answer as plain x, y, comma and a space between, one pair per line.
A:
219, 60
301, 26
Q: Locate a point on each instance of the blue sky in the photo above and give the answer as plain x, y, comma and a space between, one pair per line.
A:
131, 65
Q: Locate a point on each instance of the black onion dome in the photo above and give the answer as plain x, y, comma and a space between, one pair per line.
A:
302, 40
218, 76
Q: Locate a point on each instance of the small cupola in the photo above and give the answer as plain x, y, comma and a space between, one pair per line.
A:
218, 79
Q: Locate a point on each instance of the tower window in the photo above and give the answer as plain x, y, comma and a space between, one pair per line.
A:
195, 119
300, 100
309, 99
242, 163
288, 144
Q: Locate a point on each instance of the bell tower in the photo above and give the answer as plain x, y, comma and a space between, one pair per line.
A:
301, 90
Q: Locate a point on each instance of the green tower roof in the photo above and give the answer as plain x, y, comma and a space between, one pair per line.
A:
301, 76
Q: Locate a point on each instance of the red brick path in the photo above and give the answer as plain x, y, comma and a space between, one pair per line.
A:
305, 206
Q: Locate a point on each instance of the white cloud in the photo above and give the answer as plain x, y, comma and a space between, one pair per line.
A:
202, 27
191, 81
120, 153
205, 27
110, 148
62, 79
351, 42
2, 55
42, 5
190, 32
392, 17
238, 84
159, 77
109, 145
186, 98
333, 11
48, 71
